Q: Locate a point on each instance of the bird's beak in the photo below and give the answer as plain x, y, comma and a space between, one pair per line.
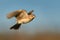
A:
33, 16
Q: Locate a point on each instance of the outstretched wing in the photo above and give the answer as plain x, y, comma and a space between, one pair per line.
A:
23, 14
30, 12
14, 14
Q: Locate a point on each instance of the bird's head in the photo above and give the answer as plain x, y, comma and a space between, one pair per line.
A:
32, 16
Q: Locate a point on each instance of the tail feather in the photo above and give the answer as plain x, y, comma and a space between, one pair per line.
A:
16, 26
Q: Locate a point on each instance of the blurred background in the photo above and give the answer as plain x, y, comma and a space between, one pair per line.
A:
46, 25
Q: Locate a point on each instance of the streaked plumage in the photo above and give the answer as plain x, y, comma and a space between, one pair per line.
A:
22, 17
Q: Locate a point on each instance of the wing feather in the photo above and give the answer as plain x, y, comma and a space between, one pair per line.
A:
13, 14
30, 12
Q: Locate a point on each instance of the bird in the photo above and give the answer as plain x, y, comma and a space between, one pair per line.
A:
22, 17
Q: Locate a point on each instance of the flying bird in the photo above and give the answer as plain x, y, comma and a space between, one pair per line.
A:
22, 17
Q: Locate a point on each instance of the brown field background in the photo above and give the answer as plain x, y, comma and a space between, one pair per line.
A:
25, 36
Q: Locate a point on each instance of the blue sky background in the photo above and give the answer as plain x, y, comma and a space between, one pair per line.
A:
47, 14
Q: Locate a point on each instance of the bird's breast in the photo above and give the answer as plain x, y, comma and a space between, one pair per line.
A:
25, 20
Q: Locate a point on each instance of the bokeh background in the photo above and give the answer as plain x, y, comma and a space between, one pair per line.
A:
47, 16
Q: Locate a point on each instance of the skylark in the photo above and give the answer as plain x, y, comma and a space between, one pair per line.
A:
22, 17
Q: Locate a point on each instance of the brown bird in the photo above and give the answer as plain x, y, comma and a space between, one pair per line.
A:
22, 17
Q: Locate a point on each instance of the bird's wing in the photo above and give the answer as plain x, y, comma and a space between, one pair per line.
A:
30, 12
13, 14
23, 14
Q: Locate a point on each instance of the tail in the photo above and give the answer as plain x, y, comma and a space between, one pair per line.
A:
16, 26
